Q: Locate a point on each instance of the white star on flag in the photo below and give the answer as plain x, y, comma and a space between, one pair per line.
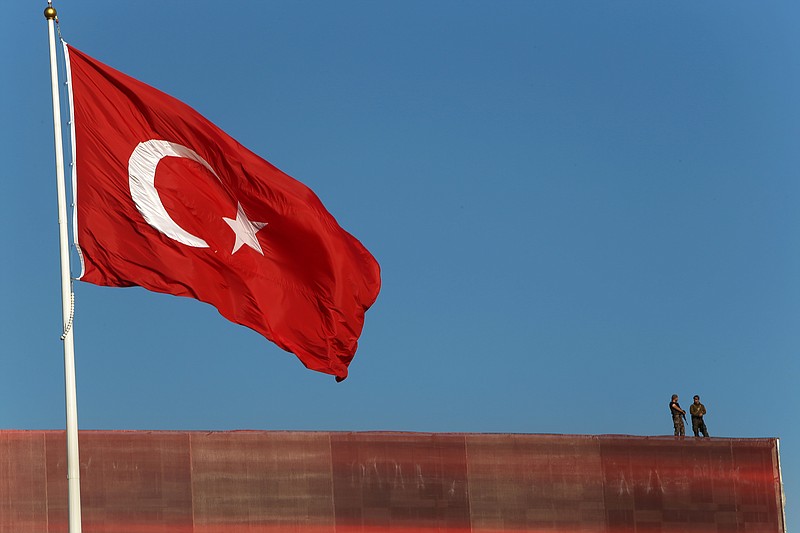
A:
245, 230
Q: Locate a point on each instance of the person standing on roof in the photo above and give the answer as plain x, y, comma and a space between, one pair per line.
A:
678, 415
697, 410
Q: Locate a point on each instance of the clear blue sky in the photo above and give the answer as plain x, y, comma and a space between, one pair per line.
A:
579, 208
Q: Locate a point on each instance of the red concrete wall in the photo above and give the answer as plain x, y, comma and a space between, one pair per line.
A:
315, 482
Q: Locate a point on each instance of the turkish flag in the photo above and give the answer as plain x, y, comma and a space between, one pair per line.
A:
167, 201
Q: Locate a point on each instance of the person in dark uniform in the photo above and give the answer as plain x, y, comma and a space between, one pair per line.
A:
697, 410
678, 415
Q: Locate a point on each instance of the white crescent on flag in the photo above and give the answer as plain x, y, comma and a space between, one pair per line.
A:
142, 180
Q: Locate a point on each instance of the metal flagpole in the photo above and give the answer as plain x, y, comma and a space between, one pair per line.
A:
73, 464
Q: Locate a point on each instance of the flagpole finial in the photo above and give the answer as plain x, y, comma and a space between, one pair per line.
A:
50, 12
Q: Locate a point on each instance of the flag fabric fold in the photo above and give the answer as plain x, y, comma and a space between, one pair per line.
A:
167, 201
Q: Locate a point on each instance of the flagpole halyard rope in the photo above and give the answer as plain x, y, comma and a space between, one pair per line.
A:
51, 14
68, 327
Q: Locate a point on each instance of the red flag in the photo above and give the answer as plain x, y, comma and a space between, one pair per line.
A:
168, 201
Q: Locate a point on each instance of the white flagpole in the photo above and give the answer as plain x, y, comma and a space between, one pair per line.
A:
73, 464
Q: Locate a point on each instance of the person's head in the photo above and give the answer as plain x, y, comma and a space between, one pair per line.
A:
674, 397
696, 398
